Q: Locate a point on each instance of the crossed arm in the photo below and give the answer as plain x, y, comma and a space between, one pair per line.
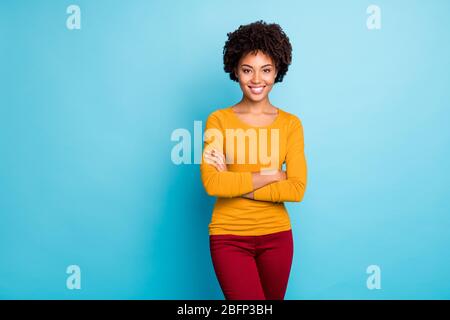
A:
216, 159
279, 187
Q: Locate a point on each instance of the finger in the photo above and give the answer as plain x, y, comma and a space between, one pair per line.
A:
221, 156
209, 159
214, 162
218, 158
211, 156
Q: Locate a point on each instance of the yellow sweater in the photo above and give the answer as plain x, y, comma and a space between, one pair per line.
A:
248, 149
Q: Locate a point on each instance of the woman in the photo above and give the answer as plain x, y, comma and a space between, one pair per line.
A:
250, 232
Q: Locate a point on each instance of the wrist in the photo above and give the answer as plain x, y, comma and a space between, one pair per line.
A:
279, 175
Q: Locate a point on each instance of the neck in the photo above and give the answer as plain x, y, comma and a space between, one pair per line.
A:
256, 106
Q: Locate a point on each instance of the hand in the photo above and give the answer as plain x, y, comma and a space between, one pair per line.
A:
249, 195
282, 175
217, 159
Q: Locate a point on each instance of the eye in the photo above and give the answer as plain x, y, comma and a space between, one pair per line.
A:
267, 70
245, 70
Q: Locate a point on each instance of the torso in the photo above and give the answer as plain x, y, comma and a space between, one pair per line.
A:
239, 215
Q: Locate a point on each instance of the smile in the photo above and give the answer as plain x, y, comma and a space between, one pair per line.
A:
256, 89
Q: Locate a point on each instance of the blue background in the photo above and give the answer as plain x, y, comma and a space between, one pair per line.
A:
86, 117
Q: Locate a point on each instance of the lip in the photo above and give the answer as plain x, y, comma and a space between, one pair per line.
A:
259, 89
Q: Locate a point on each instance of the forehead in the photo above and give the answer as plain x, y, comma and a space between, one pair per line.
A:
258, 59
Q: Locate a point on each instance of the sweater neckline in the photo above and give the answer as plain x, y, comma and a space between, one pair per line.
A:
273, 123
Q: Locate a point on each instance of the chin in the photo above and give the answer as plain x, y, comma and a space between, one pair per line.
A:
253, 98
256, 97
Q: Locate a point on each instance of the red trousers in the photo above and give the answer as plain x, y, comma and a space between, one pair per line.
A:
252, 267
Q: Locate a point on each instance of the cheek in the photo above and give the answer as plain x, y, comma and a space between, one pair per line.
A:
270, 79
245, 77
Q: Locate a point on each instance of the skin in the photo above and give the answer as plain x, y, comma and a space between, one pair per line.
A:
255, 109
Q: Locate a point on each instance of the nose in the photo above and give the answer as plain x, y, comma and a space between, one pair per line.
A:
256, 77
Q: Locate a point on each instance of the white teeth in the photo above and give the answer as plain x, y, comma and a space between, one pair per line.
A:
257, 89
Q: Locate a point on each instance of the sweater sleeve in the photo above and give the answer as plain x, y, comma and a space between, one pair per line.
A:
293, 188
225, 184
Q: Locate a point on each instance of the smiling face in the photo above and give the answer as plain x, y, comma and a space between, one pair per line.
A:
256, 74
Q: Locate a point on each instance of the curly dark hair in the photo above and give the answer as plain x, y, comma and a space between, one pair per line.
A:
269, 38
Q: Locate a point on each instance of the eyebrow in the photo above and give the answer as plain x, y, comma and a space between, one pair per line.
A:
266, 65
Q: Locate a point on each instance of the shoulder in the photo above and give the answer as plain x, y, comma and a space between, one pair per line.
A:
216, 117
218, 113
292, 120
